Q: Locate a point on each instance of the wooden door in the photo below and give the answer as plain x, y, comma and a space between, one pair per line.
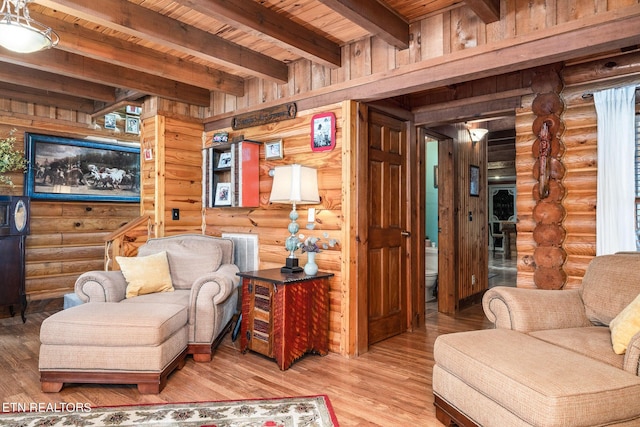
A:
388, 237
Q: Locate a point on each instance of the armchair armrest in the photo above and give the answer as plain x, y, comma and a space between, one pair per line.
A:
101, 286
632, 356
213, 299
527, 310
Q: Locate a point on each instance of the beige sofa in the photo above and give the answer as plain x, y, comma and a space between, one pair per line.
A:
204, 280
550, 360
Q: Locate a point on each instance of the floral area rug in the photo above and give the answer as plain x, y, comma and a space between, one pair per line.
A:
310, 411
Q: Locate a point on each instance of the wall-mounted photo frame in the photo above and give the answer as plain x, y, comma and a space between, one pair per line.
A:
80, 170
323, 132
133, 109
223, 194
110, 120
132, 125
273, 150
474, 181
225, 160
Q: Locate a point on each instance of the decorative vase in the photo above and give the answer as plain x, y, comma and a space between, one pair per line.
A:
311, 268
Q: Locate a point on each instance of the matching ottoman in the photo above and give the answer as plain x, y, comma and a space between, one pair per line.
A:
113, 343
503, 378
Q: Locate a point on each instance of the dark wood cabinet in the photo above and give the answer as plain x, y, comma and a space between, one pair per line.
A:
12, 292
14, 226
285, 316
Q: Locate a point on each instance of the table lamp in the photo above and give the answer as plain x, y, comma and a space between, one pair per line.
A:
294, 184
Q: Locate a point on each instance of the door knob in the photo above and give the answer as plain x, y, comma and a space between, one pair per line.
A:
406, 233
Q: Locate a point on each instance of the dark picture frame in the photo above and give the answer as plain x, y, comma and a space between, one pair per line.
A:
474, 181
81, 170
323, 132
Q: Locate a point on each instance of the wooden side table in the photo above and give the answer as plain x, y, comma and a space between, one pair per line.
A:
285, 316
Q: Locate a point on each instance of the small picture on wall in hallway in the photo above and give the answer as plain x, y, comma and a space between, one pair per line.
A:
474, 181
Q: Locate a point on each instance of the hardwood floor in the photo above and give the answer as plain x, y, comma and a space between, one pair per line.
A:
388, 386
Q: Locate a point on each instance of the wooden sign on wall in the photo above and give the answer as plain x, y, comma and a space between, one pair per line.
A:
267, 115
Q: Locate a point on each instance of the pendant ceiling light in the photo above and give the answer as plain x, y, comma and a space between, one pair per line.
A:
20, 33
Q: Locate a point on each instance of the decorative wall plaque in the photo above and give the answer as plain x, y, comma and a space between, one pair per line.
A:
262, 117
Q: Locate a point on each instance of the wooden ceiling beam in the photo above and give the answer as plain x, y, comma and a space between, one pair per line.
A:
589, 36
43, 97
50, 82
251, 17
92, 44
148, 25
76, 66
375, 18
487, 10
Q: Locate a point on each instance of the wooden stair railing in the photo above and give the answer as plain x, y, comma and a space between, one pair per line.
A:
126, 240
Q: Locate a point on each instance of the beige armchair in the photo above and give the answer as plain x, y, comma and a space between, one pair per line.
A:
204, 280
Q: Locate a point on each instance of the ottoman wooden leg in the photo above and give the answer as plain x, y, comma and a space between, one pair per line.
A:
51, 387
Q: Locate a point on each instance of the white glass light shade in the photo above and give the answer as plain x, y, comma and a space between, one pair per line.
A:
295, 184
477, 134
19, 33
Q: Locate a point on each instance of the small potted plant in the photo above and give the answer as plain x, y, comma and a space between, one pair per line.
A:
11, 160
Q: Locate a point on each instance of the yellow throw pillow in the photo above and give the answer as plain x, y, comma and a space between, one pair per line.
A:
146, 274
625, 325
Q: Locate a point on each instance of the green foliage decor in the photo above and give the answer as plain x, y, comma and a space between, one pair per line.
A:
11, 160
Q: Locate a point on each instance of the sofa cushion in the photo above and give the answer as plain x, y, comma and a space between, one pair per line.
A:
109, 324
146, 274
179, 296
540, 383
625, 325
190, 256
610, 283
594, 342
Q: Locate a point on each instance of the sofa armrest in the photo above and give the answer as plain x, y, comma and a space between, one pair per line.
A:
213, 298
101, 286
527, 310
632, 356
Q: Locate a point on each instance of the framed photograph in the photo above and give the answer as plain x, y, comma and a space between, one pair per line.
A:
323, 132
474, 181
133, 109
81, 170
220, 138
225, 160
273, 150
110, 121
132, 125
223, 194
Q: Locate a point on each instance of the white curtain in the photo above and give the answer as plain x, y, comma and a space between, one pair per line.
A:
615, 211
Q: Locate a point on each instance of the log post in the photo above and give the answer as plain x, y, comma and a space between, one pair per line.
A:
548, 170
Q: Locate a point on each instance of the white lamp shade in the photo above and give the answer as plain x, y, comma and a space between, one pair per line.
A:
295, 184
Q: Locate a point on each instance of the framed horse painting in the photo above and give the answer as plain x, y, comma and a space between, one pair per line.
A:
73, 169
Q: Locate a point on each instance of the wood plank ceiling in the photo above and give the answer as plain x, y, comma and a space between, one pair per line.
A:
112, 51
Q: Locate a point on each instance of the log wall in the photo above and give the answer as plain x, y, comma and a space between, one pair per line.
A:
270, 221
66, 237
172, 177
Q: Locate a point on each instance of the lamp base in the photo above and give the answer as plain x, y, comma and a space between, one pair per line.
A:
291, 266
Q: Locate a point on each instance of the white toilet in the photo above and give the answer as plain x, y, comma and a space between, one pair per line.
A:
431, 271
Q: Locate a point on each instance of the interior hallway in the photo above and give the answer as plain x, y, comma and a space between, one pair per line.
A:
502, 272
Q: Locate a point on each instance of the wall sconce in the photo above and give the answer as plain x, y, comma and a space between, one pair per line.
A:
476, 134
294, 184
